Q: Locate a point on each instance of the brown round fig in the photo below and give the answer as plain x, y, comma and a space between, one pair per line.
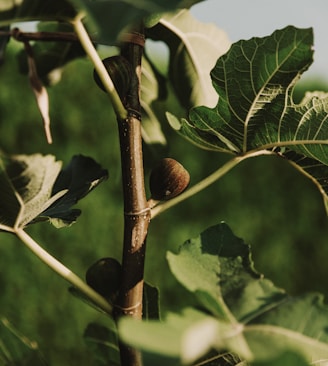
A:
168, 179
120, 71
104, 276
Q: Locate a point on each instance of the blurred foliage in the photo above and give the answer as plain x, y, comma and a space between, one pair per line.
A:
265, 201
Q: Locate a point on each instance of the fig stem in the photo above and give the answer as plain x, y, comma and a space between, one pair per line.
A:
106, 80
63, 271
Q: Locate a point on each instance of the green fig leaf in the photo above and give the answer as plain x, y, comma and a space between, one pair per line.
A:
287, 358
109, 18
255, 112
26, 185
254, 81
30, 10
106, 19
268, 314
32, 189
78, 179
217, 266
183, 337
199, 272
194, 49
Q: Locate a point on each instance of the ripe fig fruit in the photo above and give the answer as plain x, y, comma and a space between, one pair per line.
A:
120, 71
104, 276
168, 179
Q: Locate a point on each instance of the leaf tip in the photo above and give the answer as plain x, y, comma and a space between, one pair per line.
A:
173, 121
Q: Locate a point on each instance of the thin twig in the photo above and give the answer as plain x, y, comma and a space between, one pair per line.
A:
21, 36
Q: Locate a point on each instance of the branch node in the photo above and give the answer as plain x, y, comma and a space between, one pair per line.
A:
134, 113
128, 310
133, 37
144, 211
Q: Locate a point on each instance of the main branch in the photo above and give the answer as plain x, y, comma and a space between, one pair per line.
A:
136, 210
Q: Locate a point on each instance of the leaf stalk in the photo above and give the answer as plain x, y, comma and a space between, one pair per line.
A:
62, 270
206, 182
90, 50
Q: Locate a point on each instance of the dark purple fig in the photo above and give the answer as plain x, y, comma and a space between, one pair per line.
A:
120, 71
104, 276
168, 179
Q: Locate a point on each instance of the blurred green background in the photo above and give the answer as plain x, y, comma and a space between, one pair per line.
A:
265, 201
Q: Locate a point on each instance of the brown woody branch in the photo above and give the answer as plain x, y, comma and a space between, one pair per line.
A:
21, 36
136, 209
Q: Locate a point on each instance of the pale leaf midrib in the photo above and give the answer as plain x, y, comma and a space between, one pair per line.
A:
287, 333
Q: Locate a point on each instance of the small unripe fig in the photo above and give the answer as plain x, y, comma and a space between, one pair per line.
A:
120, 71
104, 276
168, 179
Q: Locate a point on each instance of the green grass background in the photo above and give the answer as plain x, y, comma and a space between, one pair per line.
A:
264, 200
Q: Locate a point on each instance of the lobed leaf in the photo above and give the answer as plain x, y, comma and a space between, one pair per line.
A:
313, 169
268, 314
254, 81
198, 271
26, 185
109, 18
106, 19
181, 339
29, 10
262, 323
78, 179
33, 189
194, 48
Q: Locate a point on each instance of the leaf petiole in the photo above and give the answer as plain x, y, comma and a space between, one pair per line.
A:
206, 182
90, 50
63, 271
